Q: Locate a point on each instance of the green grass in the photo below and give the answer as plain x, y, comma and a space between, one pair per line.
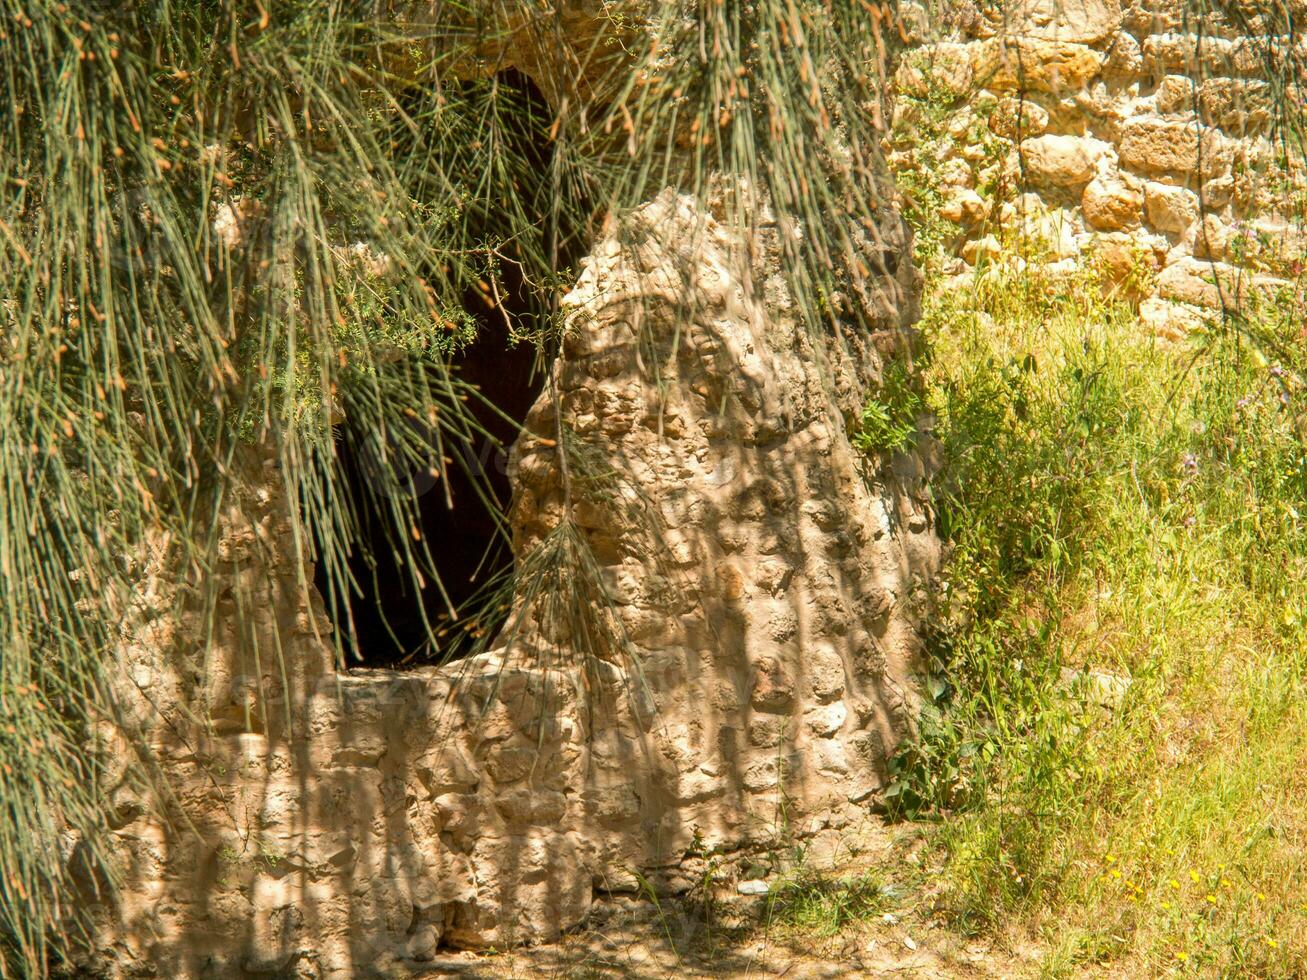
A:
1134, 508
821, 905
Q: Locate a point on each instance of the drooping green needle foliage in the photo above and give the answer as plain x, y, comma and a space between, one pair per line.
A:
228, 224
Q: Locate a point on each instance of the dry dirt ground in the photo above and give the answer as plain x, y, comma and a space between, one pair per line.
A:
863, 909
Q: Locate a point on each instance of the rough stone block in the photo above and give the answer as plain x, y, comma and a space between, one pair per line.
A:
1082, 21
1169, 146
1112, 204
1170, 209
1033, 65
1059, 163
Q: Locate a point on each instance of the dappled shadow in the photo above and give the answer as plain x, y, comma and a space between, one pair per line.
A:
726, 666
771, 638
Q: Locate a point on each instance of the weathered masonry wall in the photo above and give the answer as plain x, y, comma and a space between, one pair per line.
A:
723, 659
764, 579
1125, 136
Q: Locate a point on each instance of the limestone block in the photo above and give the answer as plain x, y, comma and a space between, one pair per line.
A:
1100, 110
1240, 107
531, 805
1144, 17
767, 731
1083, 21
975, 251
1025, 207
1212, 239
825, 669
1015, 118
698, 785
1192, 56
1175, 94
1058, 163
1250, 197
1260, 156
1214, 285
946, 67
990, 175
510, 763
773, 687
825, 721
1112, 204
1170, 320
1034, 65
965, 207
1058, 233
424, 942
1281, 238
615, 804
1124, 62
530, 888
1126, 263
1161, 146
832, 758
960, 123
1218, 192
1170, 209
955, 173
767, 773
233, 219
1184, 282
914, 23
1170, 54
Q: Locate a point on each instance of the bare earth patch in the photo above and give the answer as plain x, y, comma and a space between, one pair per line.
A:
853, 903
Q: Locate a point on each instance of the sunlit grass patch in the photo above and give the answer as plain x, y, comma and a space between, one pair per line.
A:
1130, 511
822, 905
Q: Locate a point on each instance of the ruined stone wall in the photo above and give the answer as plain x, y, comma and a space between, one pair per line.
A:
1118, 135
757, 580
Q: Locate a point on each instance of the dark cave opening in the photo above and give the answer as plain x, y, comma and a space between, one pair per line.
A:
389, 612
393, 616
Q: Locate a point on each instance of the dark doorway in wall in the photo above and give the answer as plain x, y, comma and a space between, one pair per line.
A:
389, 613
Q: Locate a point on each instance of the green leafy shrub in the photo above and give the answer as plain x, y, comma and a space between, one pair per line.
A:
888, 420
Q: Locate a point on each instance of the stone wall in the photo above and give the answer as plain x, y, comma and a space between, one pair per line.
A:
1116, 135
756, 584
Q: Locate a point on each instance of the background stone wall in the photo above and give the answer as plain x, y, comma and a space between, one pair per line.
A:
758, 584
1117, 135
